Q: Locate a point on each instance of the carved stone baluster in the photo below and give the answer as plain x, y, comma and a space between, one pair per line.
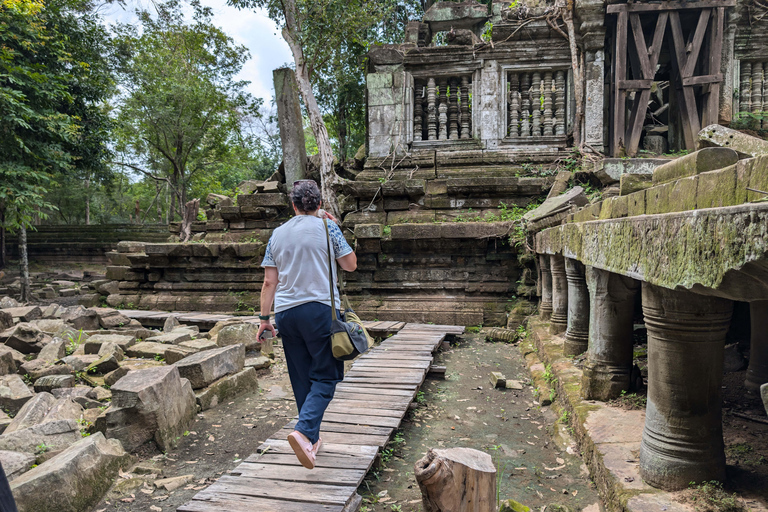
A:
466, 113
548, 120
745, 91
431, 110
418, 106
536, 103
525, 91
514, 106
757, 87
453, 110
560, 103
442, 109
764, 95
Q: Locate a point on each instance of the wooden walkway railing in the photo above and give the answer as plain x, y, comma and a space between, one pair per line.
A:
368, 406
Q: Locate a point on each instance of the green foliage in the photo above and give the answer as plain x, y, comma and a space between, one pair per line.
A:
711, 497
630, 401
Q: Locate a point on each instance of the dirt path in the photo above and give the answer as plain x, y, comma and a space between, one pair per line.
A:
537, 468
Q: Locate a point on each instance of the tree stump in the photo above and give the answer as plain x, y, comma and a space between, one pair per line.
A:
457, 480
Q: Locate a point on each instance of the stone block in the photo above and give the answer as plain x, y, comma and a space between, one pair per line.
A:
37, 368
111, 318
416, 231
104, 364
707, 159
14, 393
24, 337
636, 204
6, 320
199, 344
353, 219
721, 136
615, 208
99, 394
719, 188
56, 435
258, 363
95, 342
170, 323
588, 213
476, 230
74, 480
25, 313
240, 333
171, 338
411, 216
498, 380
147, 349
227, 388
32, 413
203, 368
50, 382
151, 404
16, 463
111, 349
64, 409
630, 183
262, 200
367, 246
7, 363
369, 231
81, 318
115, 375
117, 273
53, 351
177, 353
79, 362
79, 390
574, 196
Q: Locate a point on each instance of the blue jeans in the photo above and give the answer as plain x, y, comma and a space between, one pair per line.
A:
314, 372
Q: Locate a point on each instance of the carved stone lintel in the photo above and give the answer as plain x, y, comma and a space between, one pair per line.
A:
683, 436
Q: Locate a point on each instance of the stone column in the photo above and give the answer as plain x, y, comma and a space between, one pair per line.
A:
559, 318
683, 436
593, 98
545, 306
757, 373
609, 357
291, 125
577, 333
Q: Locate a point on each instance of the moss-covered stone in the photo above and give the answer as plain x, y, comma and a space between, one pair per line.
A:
717, 188
636, 204
511, 505
630, 183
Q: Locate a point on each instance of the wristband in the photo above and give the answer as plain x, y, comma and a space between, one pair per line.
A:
263, 317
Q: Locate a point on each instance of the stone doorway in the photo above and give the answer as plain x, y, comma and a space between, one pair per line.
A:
667, 55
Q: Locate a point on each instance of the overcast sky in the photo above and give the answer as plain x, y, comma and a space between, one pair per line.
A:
250, 28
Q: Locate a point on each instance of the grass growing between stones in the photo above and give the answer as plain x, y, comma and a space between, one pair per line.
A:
711, 497
630, 401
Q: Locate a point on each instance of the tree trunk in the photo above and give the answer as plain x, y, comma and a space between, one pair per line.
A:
341, 116
87, 202
328, 178
578, 75
457, 480
159, 208
24, 262
2, 238
190, 216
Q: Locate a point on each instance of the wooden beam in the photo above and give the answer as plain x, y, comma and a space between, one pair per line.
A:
688, 111
703, 79
642, 48
711, 114
698, 38
636, 119
658, 39
635, 85
619, 95
668, 6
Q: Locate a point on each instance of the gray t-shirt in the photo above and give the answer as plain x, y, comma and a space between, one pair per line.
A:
299, 250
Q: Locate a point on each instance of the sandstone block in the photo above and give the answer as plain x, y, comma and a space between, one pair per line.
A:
199, 344
105, 364
81, 318
54, 434
258, 363
721, 136
8, 302
155, 403
112, 377
262, 199
74, 480
79, 362
25, 313
32, 412
95, 342
369, 231
551, 206
71, 392
6, 320
64, 409
630, 183
170, 324
89, 300
720, 188
53, 351
37, 368
204, 368
177, 353
16, 463
14, 393
111, 349
240, 333
99, 393
416, 231
24, 337
498, 380
707, 159
147, 349
50, 382
7, 363
171, 338
227, 388
111, 318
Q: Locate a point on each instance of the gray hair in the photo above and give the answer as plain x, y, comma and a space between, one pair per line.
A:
306, 196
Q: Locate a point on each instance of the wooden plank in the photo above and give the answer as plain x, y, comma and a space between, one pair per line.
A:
274, 489
711, 114
367, 411
695, 45
635, 85
213, 502
640, 55
364, 388
341, 428
282, 446
423, 365
619, 94
703, 79
345, 437
401, 374
668, 6
323, 460
355, 419
658, 40
688, 110
327, 476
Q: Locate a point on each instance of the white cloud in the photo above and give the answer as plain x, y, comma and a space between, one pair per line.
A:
253, 29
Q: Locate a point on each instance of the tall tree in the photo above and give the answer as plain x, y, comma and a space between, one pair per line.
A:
43, 64
317, 32
182, 109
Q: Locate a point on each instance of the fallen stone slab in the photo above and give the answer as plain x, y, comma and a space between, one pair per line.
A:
81, 318
94, 343
8, 302
573, 197
111, 318
53, 351
227, 388
64, 409
18, 358
32, 412
514, 384
204, 368
79, 363
111, 349
147, 349
7, 364
6, 320
703, 160
25, 313
71, 392
24, 337
50, 382
14, 393
240, 333
52, 311
16, 463
721, 136
498, 380
99, 394
74, 480
171, 338
54, 435
104, 364
88, 403
52, 326
112, 377
37, 368
152, 404
177, 353
258, 363
199, 344
170, 324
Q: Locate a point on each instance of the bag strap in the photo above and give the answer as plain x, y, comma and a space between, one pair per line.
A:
330, 268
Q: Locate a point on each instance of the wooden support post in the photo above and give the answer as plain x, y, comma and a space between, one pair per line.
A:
619, 95
457, 479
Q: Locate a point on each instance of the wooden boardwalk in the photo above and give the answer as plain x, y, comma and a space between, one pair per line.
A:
206, 321
368, 406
